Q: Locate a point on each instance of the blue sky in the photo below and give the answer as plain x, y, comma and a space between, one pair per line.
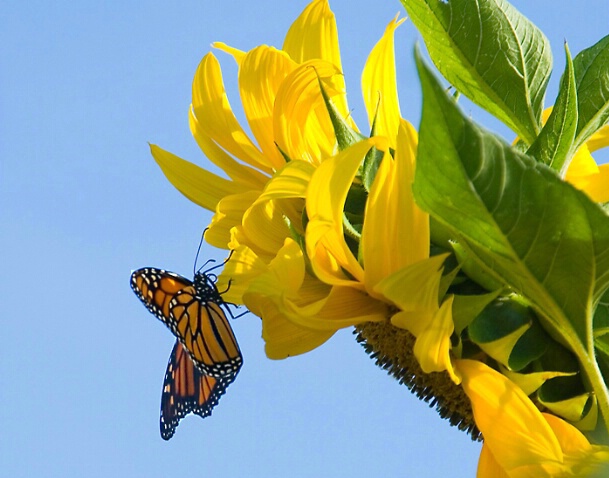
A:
83, 87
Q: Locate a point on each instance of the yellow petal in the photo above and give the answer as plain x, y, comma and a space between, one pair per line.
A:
284, 338
414, 288
290, 182
200, 186
379, 86
580, 458
301, 123
229, 213
249, 177
581, 165
282, 280
213, 112
277, 297
599, 140
432, 347
242, 267
325, 202
261, 74
314, 36
488, 466
265, 222
514, 430
393, 222
237, 54
596, 185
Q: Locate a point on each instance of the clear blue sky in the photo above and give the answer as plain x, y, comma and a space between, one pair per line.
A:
83, 87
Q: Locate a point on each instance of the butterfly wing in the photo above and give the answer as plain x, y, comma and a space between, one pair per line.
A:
156, 288
203, 328
186, 390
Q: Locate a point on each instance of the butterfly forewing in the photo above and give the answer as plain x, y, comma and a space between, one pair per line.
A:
156, 288
206, 333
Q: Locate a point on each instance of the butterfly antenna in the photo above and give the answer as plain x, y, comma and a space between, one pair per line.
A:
194, 268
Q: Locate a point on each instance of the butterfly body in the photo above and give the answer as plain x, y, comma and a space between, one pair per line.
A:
206, 357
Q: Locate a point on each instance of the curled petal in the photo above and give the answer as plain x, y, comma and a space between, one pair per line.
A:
290, 182
242, 267
265, 222
432, 347
326, 246
301, 123
228, 214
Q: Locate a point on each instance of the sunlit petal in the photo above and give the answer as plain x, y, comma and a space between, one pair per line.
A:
290, 182
213, 112
314, 36
238, 55
514, 429
265, 222
228, 214
432, 347
325, 201
248, 176
393, 222
302, 126
414, 288
379, 86
242, 267
261, 74
200, 186
599, 140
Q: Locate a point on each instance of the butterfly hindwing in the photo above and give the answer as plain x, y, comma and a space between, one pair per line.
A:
186, 390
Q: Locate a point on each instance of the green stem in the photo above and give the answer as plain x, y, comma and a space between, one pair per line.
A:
593, 373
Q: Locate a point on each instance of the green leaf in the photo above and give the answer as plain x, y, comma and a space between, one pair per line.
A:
592, 79
491, 53
533, 231
553, 146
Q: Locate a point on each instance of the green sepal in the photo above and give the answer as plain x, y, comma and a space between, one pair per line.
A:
345, 134
509, 332
572, 409
553, 146
530, 382
467, 307
370, 166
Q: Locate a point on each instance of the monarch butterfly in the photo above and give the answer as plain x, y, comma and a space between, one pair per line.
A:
193, 311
